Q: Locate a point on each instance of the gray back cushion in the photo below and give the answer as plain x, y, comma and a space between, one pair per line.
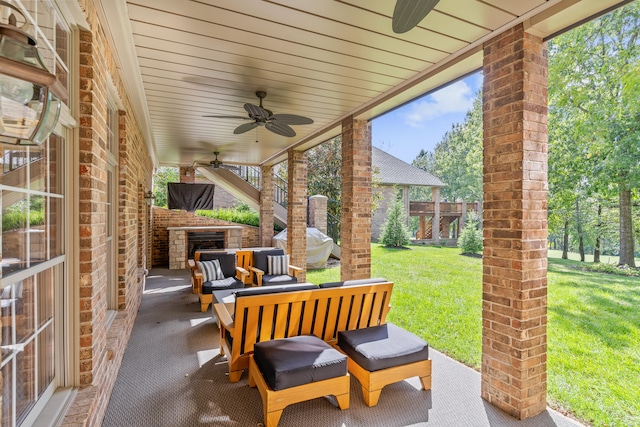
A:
260, 258
227, 261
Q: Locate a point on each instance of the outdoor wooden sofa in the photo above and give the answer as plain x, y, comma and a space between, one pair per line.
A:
267, 313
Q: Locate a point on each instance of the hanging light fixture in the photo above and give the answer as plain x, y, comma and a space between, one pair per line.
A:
30, 96
149, 198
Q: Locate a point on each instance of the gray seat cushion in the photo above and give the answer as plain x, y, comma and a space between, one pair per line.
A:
284, 279
216, 285
381, 347
353, 282
274, 289
294, 361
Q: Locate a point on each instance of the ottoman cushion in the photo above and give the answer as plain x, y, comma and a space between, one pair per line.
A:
294, 361
381, 347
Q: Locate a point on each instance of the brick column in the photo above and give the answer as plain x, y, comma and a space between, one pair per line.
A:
435, 221
266, 206
318, 212
297, 210
187, 174
514, 308
355, 217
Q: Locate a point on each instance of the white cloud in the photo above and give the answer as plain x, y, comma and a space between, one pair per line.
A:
455, 98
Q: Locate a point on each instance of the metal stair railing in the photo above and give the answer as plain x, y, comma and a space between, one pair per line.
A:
252, 175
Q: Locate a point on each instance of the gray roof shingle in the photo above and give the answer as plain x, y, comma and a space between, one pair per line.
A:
395, 171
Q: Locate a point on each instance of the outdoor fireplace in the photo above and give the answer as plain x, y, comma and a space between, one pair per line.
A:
204, 240
184, 241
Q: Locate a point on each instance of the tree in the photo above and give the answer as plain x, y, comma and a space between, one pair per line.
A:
394, 232
457, 159
593, 91
324, 165
470, 241
163, 176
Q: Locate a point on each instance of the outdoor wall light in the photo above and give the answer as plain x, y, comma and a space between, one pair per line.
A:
149, 198
30, 96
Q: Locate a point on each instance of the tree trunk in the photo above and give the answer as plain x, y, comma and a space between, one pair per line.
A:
626, 230
596, 249
580, 237
565, 241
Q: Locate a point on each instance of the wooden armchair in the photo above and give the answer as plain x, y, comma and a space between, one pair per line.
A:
234, 276
262, 275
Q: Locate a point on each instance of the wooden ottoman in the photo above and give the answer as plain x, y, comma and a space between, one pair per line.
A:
382, 355
292, 370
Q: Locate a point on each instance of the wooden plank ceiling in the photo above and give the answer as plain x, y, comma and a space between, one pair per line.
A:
320, 59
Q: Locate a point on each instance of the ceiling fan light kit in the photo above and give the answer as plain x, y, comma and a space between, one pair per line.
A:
276, 123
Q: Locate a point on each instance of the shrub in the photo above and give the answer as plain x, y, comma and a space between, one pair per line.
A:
239, 216
470, 241
394, 231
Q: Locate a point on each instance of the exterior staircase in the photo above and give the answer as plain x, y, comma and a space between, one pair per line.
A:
244, 183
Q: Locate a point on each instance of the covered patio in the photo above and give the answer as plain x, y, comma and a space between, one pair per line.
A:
173, 374
168, 83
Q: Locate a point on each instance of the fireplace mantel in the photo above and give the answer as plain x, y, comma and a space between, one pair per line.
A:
178, 241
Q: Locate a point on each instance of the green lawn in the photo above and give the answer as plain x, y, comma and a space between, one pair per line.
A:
593, 324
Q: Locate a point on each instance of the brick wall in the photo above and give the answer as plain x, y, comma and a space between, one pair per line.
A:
514, 309
101, 348
297, 209
355, 231
163, 218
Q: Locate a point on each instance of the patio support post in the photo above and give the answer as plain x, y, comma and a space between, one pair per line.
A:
266, 206
355, 216
187, 174
435, 221
514, 307
297, 210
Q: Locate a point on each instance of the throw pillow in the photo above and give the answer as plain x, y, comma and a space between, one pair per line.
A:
278, 264
210, 270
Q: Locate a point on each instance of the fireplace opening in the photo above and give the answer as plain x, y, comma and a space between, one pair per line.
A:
198, 241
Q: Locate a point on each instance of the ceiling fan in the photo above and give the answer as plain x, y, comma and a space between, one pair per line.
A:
408, 13
217, 164
276, 123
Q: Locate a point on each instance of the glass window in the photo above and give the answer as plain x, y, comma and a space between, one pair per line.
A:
14, 166
37, 230
15, 210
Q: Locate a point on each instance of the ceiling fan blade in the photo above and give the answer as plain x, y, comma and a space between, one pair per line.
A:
229, 117
245, 128
256, 112
408, 13
280, 129
291, 119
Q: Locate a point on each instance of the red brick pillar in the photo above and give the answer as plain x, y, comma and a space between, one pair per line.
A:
187, 174
266, 206
297, 210
355, 217
514, 308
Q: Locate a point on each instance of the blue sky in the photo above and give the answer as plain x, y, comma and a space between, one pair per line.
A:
422, 123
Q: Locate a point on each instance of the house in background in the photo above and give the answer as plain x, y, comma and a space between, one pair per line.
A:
438, 222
